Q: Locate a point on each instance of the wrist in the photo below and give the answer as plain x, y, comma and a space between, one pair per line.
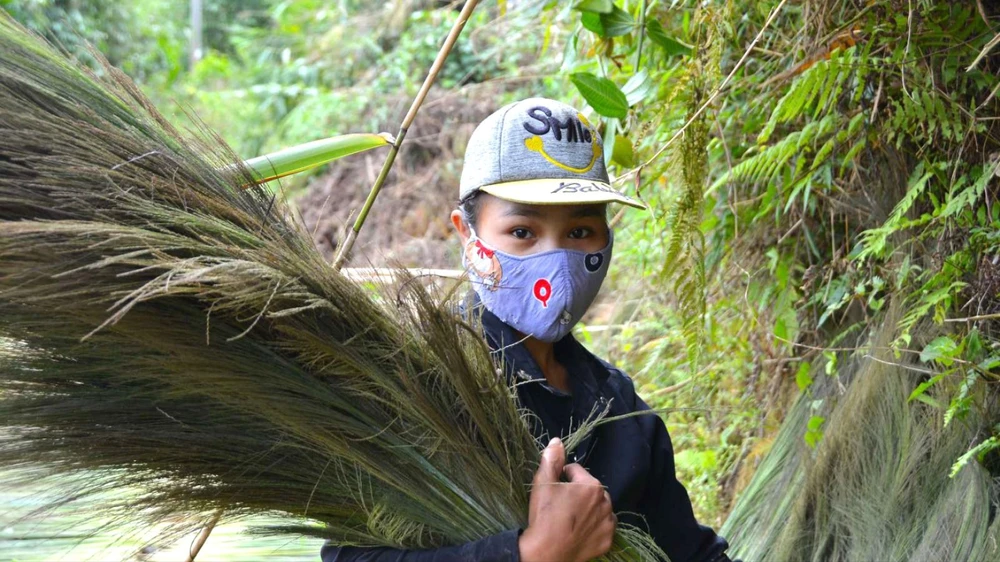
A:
528, 548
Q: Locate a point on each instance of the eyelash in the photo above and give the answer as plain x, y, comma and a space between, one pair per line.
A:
583, 230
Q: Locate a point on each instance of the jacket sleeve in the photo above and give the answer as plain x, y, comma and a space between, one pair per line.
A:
666, 506
501, 547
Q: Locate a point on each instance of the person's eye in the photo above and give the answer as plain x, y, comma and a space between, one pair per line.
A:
521, 233
581, 232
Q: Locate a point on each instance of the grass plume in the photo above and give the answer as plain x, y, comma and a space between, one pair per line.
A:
877, 486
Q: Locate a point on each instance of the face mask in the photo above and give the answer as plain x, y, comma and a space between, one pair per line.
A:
542, 295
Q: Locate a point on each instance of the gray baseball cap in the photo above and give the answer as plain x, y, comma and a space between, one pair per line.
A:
539, 151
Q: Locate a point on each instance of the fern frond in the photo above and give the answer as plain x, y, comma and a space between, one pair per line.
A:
814, 92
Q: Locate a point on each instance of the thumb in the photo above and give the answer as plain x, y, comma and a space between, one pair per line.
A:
553, 459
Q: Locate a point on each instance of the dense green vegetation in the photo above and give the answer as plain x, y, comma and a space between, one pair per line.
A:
807, 166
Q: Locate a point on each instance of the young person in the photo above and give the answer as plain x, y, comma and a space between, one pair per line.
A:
532, 219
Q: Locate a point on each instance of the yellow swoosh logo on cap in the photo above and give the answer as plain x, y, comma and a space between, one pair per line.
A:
535, 143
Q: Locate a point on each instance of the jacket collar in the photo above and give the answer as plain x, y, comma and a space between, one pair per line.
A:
587, 373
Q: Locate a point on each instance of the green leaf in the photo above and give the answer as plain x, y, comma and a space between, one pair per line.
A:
592, 22
673, 47
979, 451
597, 6
299, 158
814, 431
602, 94
618, 22
933, 402
942, 350
637, 87
922, 387
831, 363
622, 153
610, 133
611, 24
991, 362
802, 378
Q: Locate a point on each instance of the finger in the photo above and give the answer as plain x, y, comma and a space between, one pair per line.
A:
607, 496
552, 463
577, 474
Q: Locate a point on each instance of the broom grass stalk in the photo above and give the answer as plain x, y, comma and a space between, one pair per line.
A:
290, 161
411, 114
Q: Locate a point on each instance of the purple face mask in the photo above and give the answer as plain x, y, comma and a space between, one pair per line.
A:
542, 295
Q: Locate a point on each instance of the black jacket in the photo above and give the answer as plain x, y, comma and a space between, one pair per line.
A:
632, 457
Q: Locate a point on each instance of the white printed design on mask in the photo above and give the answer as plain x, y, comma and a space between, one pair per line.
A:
483, 263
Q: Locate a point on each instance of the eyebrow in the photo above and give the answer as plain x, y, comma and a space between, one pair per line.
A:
520, 210
589, 211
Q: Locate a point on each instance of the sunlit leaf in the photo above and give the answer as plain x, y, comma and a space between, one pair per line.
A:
602, 94
637, 87
597, 6
814, 431
802, 378
592, 22
941, 349
622, 153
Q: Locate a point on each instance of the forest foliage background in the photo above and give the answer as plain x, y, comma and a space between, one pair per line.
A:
805, 164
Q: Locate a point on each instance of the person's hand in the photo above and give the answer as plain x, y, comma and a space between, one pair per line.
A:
567, 521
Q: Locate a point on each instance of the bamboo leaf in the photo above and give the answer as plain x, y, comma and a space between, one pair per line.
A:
303, 157
602, 94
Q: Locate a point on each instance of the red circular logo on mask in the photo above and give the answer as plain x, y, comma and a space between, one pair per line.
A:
543, 291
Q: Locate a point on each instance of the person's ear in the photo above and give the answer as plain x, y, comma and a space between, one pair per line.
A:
458, 221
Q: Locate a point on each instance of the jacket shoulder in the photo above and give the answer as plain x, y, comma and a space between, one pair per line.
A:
621, 382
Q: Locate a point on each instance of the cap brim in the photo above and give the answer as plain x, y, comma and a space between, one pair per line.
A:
559, 192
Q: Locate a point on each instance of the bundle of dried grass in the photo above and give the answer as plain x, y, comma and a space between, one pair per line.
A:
172, 334
877, 487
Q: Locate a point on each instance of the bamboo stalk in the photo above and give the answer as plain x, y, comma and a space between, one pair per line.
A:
388, 273
456, 30
203, 536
